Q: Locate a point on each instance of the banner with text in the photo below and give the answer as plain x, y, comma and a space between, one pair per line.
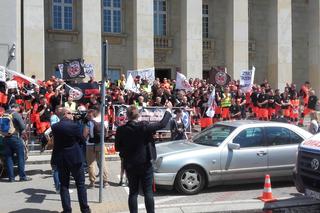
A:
149, 114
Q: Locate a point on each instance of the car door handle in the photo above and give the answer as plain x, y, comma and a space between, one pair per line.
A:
261, 153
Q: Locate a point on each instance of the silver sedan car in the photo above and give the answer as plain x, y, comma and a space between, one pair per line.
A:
229, 152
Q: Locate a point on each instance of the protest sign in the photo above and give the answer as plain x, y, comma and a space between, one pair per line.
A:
73, 69
2, 74
147, 73
88, 70
246, 79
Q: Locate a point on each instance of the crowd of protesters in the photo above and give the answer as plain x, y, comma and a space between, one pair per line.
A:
230, 102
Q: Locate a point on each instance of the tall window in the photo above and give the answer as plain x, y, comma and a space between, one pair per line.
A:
112, 16
62, 14
160, 17
205, 21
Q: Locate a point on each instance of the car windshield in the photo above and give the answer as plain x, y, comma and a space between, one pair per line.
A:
213, 136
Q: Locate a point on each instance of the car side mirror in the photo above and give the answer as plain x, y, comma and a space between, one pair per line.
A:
233, 146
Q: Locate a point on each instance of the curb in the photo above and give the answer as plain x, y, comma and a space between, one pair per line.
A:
46, 159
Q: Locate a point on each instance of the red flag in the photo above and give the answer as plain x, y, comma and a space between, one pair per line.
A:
20, 81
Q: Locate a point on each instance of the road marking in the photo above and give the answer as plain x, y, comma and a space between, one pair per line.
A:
252, 201
160, 201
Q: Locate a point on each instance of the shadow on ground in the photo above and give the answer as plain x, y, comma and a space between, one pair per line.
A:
225, 188
32, 211
36, 195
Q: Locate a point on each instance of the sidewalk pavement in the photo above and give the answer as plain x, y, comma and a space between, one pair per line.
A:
35, 157
39, 196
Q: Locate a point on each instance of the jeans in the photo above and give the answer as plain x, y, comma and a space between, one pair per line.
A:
77, 172
55, 175
14, 145
144, 175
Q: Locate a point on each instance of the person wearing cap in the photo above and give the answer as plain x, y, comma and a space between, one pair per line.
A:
13, 144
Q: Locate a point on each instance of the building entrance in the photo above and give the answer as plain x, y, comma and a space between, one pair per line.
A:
163, 73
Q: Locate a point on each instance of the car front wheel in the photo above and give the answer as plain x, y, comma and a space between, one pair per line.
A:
190, 180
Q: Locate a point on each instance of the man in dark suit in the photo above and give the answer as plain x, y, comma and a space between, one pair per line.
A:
69, 158
134, 141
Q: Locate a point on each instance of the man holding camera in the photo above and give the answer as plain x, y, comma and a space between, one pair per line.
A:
135, 142
69, 158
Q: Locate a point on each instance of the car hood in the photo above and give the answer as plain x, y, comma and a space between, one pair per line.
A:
175, 147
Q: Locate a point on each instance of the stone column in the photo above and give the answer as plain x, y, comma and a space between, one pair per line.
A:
280, 43
143, 38
237, 37
191, 38
91, 34
10, 25
314, 45
34, 51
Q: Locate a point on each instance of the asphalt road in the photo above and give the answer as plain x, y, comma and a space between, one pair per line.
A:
39, 196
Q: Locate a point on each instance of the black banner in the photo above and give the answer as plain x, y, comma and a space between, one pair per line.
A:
218, 76
73, 68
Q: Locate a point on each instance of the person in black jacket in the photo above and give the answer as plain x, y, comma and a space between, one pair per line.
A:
136, 147
69, 158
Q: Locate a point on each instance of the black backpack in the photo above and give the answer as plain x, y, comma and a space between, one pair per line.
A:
96, 133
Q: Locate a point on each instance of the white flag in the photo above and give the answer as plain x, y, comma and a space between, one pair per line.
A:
2, 73
182, 83
130, 85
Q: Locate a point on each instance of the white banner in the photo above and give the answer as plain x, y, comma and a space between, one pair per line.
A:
2, 74
147, 73
12, 84
246, 79
88, 70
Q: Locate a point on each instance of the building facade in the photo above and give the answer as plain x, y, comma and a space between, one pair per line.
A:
281, 38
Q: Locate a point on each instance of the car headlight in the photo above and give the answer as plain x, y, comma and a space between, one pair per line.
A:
158, 163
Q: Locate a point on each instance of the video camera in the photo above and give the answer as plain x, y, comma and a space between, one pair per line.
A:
80, 115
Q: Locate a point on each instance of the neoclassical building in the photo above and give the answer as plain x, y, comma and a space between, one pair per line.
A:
281, 38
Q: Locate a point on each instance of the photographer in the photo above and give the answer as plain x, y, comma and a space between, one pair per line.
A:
91, 132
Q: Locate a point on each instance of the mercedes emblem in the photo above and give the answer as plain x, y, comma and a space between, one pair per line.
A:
314, 164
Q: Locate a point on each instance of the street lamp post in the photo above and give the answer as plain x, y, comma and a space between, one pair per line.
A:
104, 71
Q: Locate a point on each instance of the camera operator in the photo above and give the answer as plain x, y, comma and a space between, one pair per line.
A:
91, 132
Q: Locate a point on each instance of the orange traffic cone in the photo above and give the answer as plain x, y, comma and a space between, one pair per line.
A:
267, 193
113, 149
